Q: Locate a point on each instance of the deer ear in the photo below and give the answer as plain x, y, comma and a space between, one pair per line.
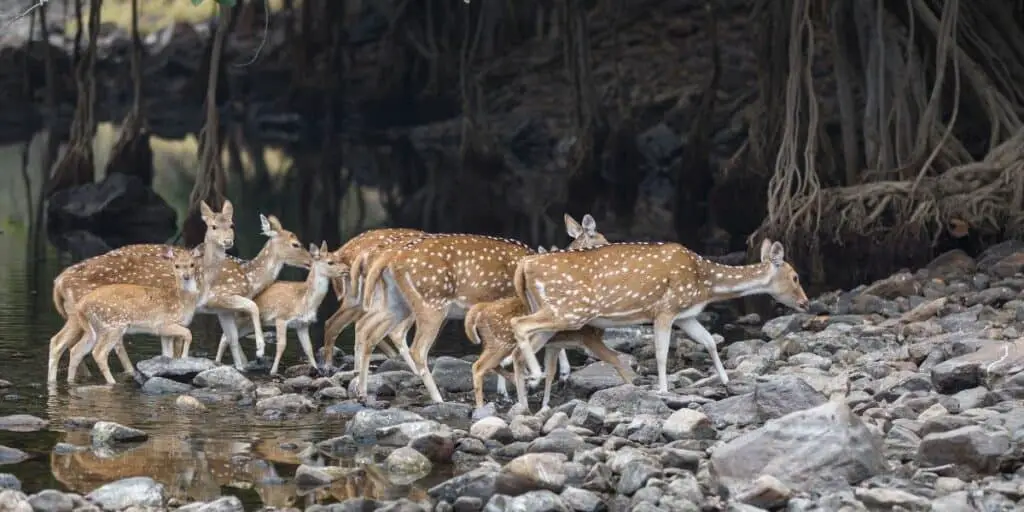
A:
572, 227
228, 210
323, 247
274, 223
589, 224
266, 227
777, 254
169, 254
314, 251
205, 211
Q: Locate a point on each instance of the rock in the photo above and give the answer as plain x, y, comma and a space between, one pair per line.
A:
629, 400
767, 492
164, 386
387, 383
224, 378
182, 369
339, 447
688, 424
597, 376
780, 395
970, 447
9, 481
287, 403
478, 483
364, 425
22, 423
10, 455
189, 403
307, 477
740, 410
14, 501
437, 448
634, 476
969, 370
891, 499
534, 501
532, 471
403, 433
806, 450
105, 433
225, 504
407, 463
51, 500
582, 500
558, 441
137, 491
456, 375
120, 206
491, 428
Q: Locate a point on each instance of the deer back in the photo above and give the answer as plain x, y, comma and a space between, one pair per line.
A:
463, 268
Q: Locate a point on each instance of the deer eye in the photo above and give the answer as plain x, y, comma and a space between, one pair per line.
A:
296, 245
796, 279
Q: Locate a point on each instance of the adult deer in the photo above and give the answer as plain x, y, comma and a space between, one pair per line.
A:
429, 280
664, 284
354, 254
490, 324
100, 320
140, 264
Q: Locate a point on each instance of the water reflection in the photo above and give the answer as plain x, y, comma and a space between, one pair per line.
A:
226, 450
199, 457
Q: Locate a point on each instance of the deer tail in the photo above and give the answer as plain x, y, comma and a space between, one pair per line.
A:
472, 317
58, 296
372, 279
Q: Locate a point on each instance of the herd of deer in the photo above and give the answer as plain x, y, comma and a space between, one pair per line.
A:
513, 300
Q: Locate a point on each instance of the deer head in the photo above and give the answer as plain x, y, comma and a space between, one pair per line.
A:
184, 263
284, 244
784, 285
324, 262
220, 227
584, 235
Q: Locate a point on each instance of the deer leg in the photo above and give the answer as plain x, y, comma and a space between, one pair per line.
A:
307, 344
335, 325
695, 330
551, 355
532, 332
564, 368
489, 359
58, 344
239, 304
522, 405
662, 340
230, 328
428, 326
122, 356
398, 336
166, 346
282, 341
593, 342
364, 347
79, 350
181, 336
101, 352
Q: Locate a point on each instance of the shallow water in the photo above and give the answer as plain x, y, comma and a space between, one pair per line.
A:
228, 450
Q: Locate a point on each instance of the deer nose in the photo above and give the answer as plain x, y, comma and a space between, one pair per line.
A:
803, 304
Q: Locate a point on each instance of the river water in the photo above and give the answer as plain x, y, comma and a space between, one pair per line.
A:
228, 450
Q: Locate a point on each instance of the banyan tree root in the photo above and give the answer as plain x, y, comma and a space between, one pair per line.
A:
132, 154
76, 167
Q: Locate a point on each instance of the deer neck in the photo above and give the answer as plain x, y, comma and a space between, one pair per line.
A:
726, 282
263, 270
317, 284
212, 263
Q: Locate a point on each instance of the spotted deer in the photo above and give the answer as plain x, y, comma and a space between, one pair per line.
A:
140, 264
102, 317
241, 280
294, 304
354, 254
624, 284
427, 281
489, 324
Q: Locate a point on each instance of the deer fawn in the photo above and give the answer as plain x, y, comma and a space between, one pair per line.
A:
141, 264
638, 283
427, 281
287, 304
106, 314
354, 255
241, 280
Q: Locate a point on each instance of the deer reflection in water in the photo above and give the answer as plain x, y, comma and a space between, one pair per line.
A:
194, 465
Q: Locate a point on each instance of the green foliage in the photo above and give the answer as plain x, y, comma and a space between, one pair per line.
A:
223, 3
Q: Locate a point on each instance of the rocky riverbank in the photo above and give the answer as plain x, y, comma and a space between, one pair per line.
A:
905, 394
